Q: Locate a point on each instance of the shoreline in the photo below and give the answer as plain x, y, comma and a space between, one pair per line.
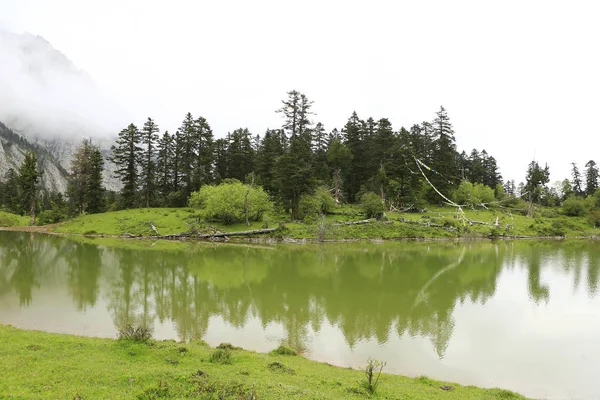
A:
127, 369
46, 229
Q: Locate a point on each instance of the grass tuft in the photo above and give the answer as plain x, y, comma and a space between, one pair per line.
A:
221, 356
284, 351
134, 333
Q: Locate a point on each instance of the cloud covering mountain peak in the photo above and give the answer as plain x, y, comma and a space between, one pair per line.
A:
44, 95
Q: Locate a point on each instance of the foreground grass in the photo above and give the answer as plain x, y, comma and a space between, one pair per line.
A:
37, 365
547, 222
8, 220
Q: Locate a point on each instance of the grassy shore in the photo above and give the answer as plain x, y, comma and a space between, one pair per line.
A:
436, 222
38, 365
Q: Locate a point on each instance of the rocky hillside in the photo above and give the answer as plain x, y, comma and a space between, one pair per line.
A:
12, 152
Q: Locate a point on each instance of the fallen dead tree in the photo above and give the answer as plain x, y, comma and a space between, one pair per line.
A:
361, 222
215, 234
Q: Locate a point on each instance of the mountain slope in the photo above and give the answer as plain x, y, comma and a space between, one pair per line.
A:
12, 152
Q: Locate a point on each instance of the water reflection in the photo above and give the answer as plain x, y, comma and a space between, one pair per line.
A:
367, 292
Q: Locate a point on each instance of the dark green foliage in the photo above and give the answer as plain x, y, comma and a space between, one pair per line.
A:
293, 171
149, 138
591, 177
126, 155
270, 149
85, 190
10, 192
576, 175
29, 176
165, 166
289, 163
537, 178
444, 157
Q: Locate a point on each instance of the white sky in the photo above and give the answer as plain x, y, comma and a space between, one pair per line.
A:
518, 78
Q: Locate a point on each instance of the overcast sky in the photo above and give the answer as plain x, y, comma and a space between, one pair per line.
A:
518, 78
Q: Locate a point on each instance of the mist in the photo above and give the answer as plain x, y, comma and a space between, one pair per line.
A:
44, 96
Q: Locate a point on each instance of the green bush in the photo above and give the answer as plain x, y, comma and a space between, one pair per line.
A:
308, 206
473, 194
225, 202
574, 207
371, 205
594, 218
321, 202
326, 200
52, 216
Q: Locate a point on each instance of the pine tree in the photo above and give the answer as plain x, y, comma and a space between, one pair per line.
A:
291, 114
271, 148
95, 189
126, 155
591, 177
576, 180
85, 191
29, 177
240, 154
203, 151
444, 155
165, 165
149, 137
187, 156
491, 176
319, 149
294, 172
221, 159
354, 132
536, 181
11, 192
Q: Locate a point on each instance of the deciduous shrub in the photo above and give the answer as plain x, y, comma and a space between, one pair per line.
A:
473, 194
574, 207
594, 218
320, 202
371, 205
226, 202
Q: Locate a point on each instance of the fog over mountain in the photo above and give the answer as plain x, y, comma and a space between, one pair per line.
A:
47, 100
43, 95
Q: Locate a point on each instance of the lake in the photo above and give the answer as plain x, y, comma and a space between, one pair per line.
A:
523, 316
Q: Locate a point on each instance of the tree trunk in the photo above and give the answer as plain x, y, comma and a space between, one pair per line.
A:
32, 212
246, 200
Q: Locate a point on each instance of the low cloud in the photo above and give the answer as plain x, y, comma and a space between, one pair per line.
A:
43, 95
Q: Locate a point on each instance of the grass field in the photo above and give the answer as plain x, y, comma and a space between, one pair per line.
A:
37, 365
433, 223
436, 222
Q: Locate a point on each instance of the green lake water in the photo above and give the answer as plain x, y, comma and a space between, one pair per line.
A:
522, 315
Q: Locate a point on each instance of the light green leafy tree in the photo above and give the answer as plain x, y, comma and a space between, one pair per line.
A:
474, 194
227, 203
